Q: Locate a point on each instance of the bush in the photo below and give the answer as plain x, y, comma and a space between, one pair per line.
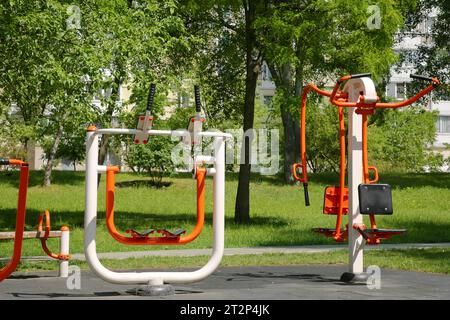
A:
153, 158
401, 139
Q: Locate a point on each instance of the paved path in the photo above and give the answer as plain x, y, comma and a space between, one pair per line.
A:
245, 251
241, 283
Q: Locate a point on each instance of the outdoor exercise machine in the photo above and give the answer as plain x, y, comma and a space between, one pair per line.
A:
19, 235
204, 165
363, 196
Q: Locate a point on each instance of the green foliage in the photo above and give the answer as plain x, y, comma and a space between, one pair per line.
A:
433, 57
400, 142
153, 158
322, 134
218, 58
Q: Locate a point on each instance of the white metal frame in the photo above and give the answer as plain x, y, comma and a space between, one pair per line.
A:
64, 243
353, 88
90, 219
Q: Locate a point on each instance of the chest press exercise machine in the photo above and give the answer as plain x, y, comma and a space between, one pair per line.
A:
363, 196
155, 283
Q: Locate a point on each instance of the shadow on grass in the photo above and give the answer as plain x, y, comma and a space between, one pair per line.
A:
396, 180
261, 232
36, 178
128, 220
143, 184
418, 232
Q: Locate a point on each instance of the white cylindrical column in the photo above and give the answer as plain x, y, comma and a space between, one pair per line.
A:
64, 250
90, 214
355, 176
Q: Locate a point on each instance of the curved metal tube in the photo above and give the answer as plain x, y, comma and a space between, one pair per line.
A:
20, 220
110, 190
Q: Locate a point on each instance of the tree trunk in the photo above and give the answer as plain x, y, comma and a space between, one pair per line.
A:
253, 68
52, 154
290, 81
291, 143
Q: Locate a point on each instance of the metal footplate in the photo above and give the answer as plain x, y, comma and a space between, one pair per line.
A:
374, 236
331, 232
156, 233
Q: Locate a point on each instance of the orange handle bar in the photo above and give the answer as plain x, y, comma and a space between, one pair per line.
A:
58, 256
295, 166
110, 190
12, 162
334, 99
20, 223
376, 177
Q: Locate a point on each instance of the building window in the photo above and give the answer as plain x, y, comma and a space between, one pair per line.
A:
390, 90
268, 101
265, 73
183, 99
443, 124
401, 91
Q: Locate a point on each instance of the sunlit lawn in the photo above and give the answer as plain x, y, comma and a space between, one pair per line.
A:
279, 217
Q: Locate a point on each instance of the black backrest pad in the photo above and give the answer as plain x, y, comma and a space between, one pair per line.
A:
375, 199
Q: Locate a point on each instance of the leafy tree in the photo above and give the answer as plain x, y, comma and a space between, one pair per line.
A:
136, 42
317, 40
230, 33
433, 56
51, 70
42, 68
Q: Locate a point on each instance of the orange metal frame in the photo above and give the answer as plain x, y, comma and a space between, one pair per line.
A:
110, 191
20, 219
56, 256
340, 99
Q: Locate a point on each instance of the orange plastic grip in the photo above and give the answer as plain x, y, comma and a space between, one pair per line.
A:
375, 179
295, 166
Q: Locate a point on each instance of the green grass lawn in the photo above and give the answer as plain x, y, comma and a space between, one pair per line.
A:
279, 217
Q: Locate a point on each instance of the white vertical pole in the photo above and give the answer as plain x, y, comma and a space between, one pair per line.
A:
90, 215
355, 177
64, 250
219, 198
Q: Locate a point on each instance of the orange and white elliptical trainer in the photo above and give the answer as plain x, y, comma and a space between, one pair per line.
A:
156, 283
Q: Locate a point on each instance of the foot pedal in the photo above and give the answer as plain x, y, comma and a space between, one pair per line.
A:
137, 234
374, 236
330, 233
170, 234
154, 232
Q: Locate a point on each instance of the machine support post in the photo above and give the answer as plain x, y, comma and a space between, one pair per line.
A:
355, 176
